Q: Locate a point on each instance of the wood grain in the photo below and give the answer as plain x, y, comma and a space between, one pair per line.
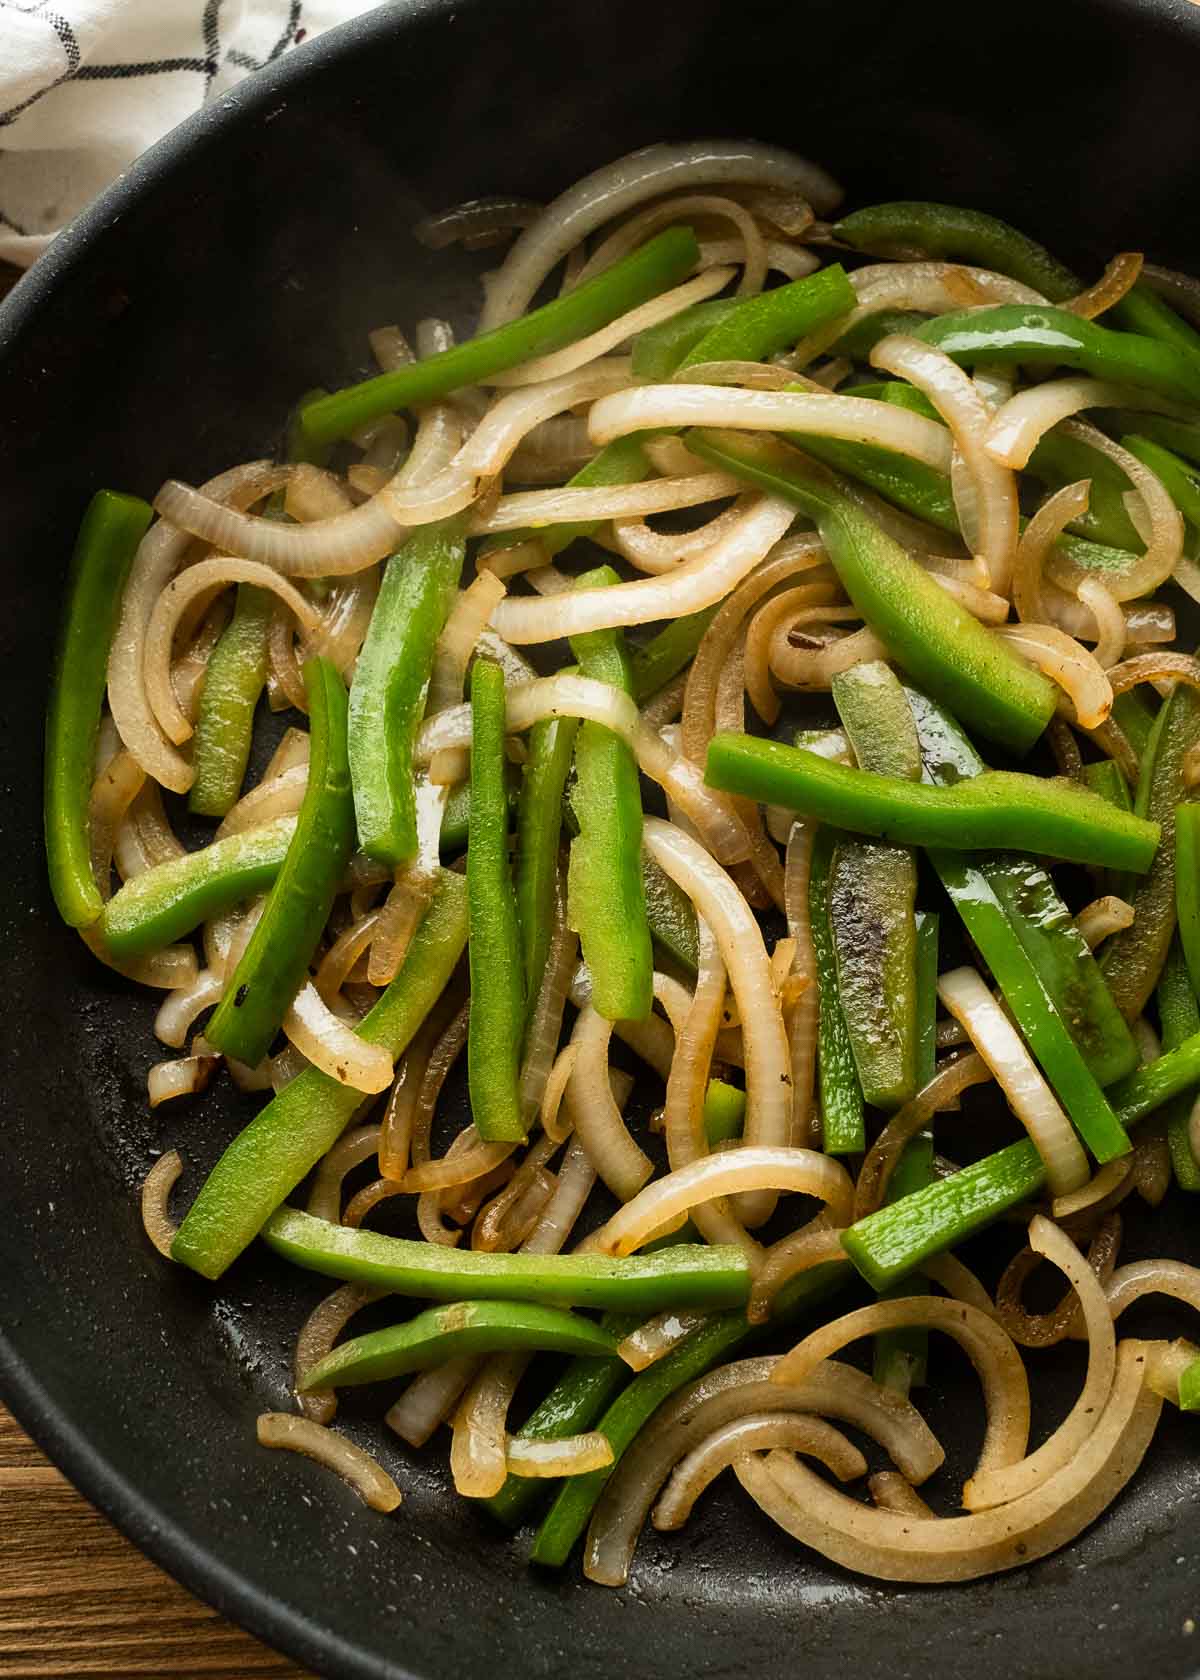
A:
76, 1598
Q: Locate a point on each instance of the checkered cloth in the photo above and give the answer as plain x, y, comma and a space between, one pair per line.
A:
85, 85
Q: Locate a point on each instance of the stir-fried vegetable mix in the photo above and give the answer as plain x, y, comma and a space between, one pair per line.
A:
738, 663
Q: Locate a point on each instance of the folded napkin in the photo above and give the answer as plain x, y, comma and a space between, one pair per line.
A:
85, 85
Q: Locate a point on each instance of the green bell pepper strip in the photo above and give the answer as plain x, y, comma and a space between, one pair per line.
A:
1136, 718
889, 1243
724, 1112
584, 1391
914, 486
1133, 959
1187, 884
233, 682
550, 743
109, 534
169, 900
934, 638
908, 228
463, 1330
683, 1275
1179, 1018
1103, 777
497, 1025
267, 1160
1000, 808
1181, 437
944, 230
843, 1128
742, 329
1061, 459
606, 902
456, 817
275, 963
1013, 333
925, 493
760, 326
637, 1403
670, 914
872, 897
1042, 923
858, 341
661, 263
652, 665
1182, 480
1039, 960
1025, 991
658, 351
901, 1356
1189, 1387
387, 696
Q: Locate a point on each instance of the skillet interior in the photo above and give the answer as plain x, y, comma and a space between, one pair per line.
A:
167, 333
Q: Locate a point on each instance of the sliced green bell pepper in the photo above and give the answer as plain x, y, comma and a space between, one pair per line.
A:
112, 528
497, 1025
928, 633
266, 1161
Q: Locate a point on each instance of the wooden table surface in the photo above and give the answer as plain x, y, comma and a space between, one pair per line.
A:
76, 1598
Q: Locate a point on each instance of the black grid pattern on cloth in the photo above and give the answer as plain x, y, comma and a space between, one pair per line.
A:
205, 67
71, 53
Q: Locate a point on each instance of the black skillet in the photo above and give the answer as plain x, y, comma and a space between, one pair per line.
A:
166, 334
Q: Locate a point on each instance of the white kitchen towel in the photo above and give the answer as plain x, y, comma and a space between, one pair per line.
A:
85, 85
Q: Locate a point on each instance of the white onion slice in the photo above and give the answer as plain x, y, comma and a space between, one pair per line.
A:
699, 582
622, 1165
1153, 1277
989, 1348
326, 548
160, 554
896, 1547
997, 1487
429, 1399
278, 796
184, 1077
747, 250
202, 579
301, 1435
781, 258
1076, 671
619, 501
1103, 917
756, 1432
181, 1007
739, 938
749, 1167
156, 1190
584, 350
965, 996
571, 1455
1018, 427
330, 1044
1158, 521
926, 287
630, 181
718, 1398
856, 419
953, 394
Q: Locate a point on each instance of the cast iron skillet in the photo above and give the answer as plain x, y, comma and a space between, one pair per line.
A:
167, 333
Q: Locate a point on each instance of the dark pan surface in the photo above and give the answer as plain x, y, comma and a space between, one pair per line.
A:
168, 333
